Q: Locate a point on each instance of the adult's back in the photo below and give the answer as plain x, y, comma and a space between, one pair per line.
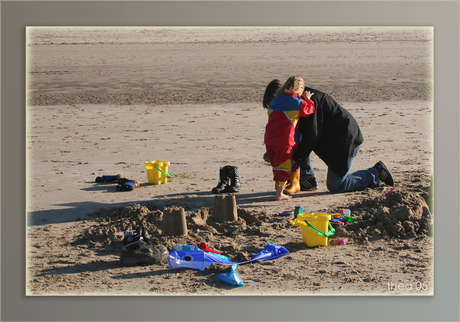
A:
331, 132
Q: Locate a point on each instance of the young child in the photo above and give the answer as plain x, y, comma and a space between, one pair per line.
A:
284, 111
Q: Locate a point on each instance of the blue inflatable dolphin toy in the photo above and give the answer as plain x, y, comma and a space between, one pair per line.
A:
192, 257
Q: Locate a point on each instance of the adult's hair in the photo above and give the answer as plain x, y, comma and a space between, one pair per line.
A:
271, 91
294, 84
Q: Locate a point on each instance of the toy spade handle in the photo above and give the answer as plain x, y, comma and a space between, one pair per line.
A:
326, 234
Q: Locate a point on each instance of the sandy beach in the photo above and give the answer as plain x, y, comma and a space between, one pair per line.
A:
102, 101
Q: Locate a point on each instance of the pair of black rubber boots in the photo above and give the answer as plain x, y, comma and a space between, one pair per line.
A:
229, 180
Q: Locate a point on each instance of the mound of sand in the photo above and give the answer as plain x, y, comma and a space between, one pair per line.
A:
404, 214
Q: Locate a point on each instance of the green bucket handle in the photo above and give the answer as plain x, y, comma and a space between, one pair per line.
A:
326, 234
166, 174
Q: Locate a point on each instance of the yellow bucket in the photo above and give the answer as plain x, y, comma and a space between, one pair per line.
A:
315, 228
157, 171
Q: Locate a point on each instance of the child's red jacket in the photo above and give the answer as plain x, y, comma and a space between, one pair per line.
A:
283, 114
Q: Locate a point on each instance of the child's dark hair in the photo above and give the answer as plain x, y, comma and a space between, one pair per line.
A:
271, 91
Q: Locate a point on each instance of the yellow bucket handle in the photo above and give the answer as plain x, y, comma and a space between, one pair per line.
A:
327, 234
166, 174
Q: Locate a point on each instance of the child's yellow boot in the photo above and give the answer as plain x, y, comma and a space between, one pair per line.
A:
294, 185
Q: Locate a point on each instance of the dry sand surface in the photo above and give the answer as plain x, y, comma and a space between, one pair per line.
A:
102, 101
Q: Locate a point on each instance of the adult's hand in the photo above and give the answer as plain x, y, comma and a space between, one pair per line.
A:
266, 157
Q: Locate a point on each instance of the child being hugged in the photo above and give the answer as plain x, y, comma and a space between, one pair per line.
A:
284, 111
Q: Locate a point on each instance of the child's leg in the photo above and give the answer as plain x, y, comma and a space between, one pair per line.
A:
279, 195
281, 163
294, 181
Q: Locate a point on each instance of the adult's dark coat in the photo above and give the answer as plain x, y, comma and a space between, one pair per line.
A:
331, 132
